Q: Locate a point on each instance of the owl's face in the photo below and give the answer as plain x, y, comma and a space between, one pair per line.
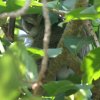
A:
30, 24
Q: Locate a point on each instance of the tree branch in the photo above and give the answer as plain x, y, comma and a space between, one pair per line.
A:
89, 29
66, 58
18, 12
37, 86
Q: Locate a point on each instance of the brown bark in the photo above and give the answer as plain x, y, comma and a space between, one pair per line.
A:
74, 28
66, 58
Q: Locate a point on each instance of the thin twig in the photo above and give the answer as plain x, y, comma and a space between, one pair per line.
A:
18, 12
37, 86
45, 41
88, 26
61, 12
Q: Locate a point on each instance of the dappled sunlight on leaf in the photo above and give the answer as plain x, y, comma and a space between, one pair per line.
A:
91, 66
9, 77
16, 65
98, 9
83, 94
35, 6
83, 14
52, 52
22, 68
36, 3
36, 51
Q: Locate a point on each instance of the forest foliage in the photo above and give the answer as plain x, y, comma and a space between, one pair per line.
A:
18, 67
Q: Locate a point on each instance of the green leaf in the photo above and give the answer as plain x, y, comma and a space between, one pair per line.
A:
52, 4
51, 52
2, 6
96, 22
2, 3
83, 94
84, 42
54, 52
36, 3
21, 3
16, 65
48, 98
70, 4
89, 10
53, 18
27, 60
56, 87
13, 5
73, 15
12, 72
74, 78
96, 2
75, 44
91, 66
71, 43
83, 13
36, 51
